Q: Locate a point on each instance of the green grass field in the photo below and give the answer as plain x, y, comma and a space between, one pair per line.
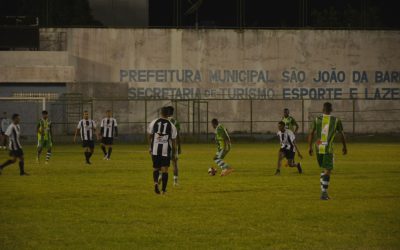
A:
111, 204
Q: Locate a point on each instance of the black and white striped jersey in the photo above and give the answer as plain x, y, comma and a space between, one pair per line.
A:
13, 132
287, 138
163, 132
108, 126
87, 128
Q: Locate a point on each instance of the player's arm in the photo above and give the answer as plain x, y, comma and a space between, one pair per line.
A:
149, 141
173, 149
310, 141
7, 135
178, 143
6, 139
76, 133
343, 137
38, 130
51, 132
96, 131
297, 150
101, 131
295, 125
227, 140
78, 129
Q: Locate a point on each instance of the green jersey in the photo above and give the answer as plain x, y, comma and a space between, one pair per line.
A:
326, 127
221, 134
290, 122
176, 124
44, 130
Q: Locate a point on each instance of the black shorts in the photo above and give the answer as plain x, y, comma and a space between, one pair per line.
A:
16, 153
2, 133
107, 140
88, 144
160, 161
289, 154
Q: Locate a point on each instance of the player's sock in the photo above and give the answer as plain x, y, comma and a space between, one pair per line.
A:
221, 164
175, 179
159, 177
5, 164
48, 155
298, 165
21, 168
155, 179
39, 152
87, 157
164, 181
325, 183
155, 176
104, 150
109, 152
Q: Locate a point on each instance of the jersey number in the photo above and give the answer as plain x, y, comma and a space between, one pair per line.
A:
159, 128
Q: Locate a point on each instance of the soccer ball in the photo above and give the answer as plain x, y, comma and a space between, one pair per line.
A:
212, 171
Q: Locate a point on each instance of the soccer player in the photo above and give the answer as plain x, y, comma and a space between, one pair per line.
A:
87, 129
178, 142
290, 122
162, 147
288, 148
5, 122
13, 134
109, 129
325, 127
45, 138
223, 147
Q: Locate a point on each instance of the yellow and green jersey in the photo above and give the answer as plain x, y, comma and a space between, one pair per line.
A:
221, 134
44, 130
175, 123
326, 127
290, 122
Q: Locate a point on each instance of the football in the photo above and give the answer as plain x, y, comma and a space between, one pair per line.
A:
212, 171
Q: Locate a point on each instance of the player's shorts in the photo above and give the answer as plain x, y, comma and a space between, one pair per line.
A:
45, 144
16, 153
107, 140
88, 144
289, 154
2, 133
160, 161
325, 161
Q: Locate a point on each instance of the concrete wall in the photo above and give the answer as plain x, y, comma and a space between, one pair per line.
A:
184, 64
36, 66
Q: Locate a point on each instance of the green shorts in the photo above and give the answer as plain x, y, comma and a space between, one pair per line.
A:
325, 161
45, 144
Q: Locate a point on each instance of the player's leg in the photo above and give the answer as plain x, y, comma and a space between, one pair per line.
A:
8, 162
48, 154
22, 164
175, 165
156, 172
327, 166
281, 155
91, 149
103, 148
226, 168
109, 151
293, 164
39, 150
164, 173
48, 146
